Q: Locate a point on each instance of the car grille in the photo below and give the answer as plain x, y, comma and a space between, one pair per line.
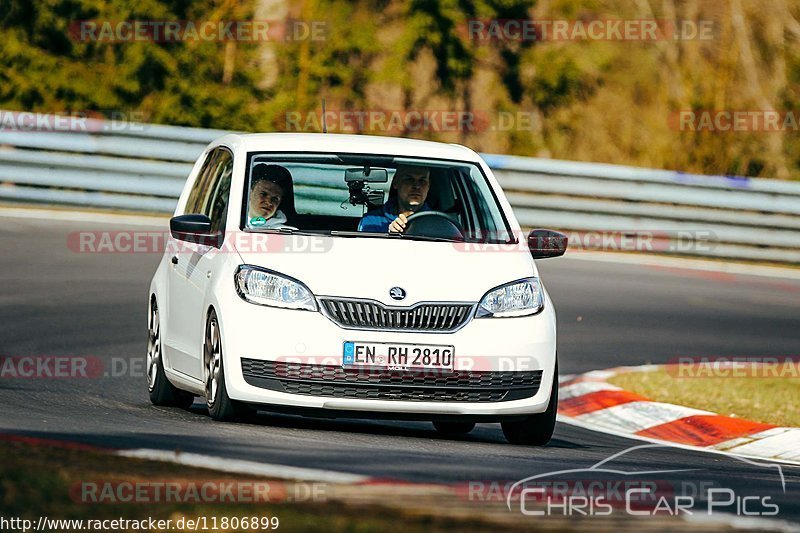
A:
375, 315
416, 385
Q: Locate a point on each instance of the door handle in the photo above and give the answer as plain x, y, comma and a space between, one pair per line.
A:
174, 259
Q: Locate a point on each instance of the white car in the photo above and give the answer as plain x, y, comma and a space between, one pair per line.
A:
353, 276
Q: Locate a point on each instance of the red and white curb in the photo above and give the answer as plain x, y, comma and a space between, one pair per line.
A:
589, 401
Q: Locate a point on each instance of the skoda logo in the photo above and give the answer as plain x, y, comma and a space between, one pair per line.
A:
397, 293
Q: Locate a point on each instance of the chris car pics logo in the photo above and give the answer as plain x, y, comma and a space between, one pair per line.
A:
604, 489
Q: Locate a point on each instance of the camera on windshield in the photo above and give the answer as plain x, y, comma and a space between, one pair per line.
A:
358, 180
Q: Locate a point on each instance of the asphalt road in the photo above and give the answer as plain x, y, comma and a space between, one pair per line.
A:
54, 301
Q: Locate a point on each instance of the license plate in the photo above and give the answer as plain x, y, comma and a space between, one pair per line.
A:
395, 356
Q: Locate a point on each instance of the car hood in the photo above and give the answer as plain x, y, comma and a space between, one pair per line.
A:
367, 267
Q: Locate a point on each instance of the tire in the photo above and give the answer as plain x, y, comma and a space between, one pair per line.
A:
535, 430
220, 406
162, 392
454, 428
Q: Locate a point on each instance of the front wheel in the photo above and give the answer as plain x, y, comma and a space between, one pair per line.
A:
535, 430
220, 406
162, 392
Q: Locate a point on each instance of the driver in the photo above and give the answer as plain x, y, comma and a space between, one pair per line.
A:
407, 196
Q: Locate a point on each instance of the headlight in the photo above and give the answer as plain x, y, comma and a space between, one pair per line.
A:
518, 298
264, 287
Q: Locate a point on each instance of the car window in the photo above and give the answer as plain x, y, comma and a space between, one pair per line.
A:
198, 193
483, 212
358, 195
216, 205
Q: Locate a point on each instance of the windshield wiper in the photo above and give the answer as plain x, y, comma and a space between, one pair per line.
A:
338, 233
285, 231
388, 235
427, 238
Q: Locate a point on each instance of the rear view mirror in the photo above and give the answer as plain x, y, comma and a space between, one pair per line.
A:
544, 243
366, 174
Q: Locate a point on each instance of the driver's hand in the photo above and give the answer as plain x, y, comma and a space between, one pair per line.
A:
398, 225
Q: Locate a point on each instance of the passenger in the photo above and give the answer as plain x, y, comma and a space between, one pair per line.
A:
269, 188
408, 195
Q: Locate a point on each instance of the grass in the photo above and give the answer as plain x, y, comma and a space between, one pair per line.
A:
772, 400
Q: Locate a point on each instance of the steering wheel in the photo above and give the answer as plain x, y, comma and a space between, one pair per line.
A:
434, 224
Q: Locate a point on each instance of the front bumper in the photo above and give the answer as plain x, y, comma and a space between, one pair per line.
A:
258, 333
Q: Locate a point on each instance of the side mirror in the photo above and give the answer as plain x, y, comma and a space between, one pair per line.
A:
544, 243
194, 228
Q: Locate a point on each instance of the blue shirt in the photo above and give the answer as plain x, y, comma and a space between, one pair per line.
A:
378, 220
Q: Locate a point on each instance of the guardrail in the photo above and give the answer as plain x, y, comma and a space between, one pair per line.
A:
142, 167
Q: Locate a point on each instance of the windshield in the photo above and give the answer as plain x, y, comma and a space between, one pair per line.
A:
370, 196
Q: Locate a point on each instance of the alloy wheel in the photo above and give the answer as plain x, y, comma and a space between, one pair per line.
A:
212, 357
153, 346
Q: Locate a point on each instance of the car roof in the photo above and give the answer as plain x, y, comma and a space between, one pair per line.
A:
342, 143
